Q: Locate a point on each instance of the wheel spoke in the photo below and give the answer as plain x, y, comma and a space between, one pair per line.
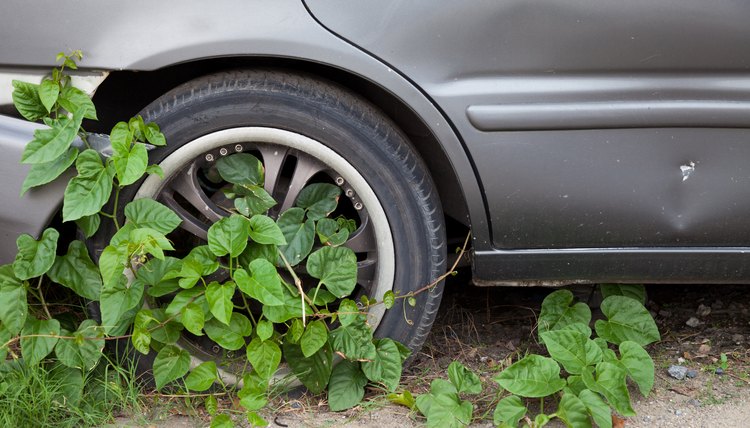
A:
188, 187
363, 239
190, 223
305, 169
273, 161
366, 270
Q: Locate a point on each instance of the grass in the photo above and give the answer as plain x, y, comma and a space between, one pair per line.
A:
58, 396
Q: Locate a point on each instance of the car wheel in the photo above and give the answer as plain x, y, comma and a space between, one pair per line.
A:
304, 130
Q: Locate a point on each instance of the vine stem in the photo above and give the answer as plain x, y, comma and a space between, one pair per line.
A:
450, 271
41, 298
298, 283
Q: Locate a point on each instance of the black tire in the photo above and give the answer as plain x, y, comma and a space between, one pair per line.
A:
231, 104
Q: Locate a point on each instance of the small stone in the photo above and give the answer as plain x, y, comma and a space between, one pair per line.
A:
738, 338
693, 322
680, 360
678, 412
677, 372
704, 349
703, 310
691, 374
694, 402
719, 371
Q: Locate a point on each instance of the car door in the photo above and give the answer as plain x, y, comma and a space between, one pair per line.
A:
603, 124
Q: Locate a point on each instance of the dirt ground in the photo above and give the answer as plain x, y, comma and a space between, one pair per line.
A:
487, 327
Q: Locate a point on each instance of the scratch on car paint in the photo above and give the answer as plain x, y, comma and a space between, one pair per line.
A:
687, 170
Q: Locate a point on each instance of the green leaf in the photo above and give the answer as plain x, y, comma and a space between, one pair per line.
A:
610, 382
639, 365
38, 339
597, 408
389, 299
27, 102
43, 173
264, 356
155, 170
87, 193
82, 352
231, 337
241, 168
627, 320
166, 331
298, 233
68, 384
200, 262
573, 412
572, 349
465, 381
222, 421
264, 285
509, 411
256, 420
220, 300
77, 271
5, 336
347, 386
13, 306
72, 99
49, 90
315, 371
130, 162
147, 213
443, 407
171, 363
336, 268
264, 329
184, 298
34, 257
354, 341
318, 199
558, 313
637, 292
255, 250
252, 200
575, 383
330, 232
148, 241
533, 376
49, 144
264, 230
292, 308
579, 327
117, 299
211, 405
349, 313
404, 398
89, 224
314, 337
386, 368
153, 135
160, 276
228, 236
141, 340
202, 377
193, 319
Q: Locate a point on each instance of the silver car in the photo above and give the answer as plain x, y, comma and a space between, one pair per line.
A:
579, 142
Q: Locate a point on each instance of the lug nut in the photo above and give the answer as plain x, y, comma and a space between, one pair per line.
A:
349, 192
238, 148
210, 157
358, 206
223, 151
339, 180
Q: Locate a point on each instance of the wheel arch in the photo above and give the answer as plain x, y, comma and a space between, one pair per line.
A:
124, 93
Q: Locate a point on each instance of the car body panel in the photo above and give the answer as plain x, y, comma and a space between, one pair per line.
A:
590, 142
573, 113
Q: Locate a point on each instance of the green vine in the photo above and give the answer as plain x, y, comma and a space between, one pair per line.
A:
241, 289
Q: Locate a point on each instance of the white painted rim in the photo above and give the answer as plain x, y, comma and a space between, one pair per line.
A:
183, 156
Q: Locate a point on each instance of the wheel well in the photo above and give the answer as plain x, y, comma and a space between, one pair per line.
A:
125, 93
